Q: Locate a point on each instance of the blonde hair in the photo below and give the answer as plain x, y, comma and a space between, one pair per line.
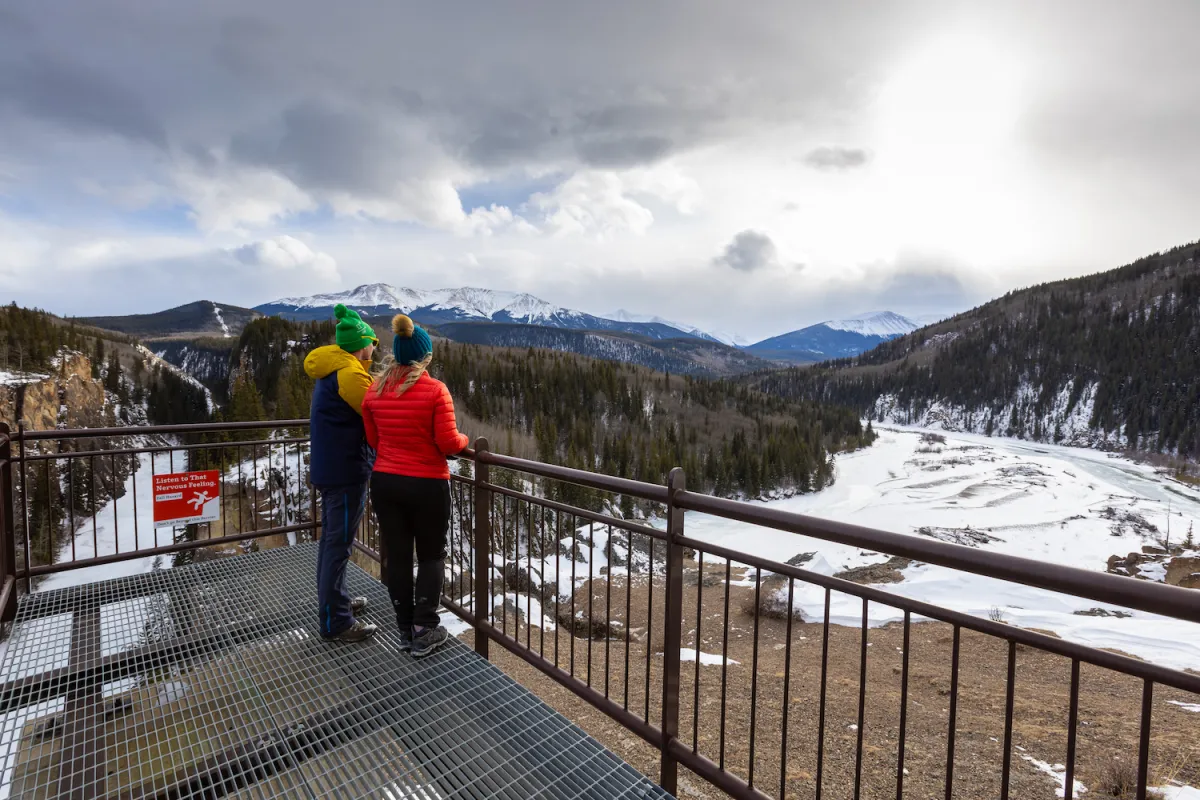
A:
396, 377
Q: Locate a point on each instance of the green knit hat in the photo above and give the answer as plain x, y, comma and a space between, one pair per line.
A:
352, 333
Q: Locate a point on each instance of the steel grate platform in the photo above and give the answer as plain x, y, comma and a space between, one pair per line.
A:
210, 681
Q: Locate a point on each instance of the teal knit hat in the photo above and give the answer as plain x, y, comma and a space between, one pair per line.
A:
411, 344
352, 333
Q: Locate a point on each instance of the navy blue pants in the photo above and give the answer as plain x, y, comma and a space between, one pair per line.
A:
341, 511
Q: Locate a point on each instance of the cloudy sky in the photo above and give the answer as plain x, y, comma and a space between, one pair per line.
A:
743, 167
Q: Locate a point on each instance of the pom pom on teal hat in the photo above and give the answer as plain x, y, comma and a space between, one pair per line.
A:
411, 344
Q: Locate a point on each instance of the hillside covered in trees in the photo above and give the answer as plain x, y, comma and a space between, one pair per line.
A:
1110, 359
592, 414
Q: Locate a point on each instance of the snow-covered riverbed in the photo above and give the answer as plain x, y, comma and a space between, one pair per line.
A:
1064, 505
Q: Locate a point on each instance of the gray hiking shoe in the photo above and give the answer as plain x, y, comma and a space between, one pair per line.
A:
429, 640
406, 641
358, 632
358, 605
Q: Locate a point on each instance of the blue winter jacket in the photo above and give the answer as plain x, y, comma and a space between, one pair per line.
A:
340, 454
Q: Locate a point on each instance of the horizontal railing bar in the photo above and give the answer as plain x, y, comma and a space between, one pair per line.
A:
727, 782
177, 547
581, 513
591, 480
129, 451
1155, 598
457, 610
371, 554
147, 430
1101, 658
614, 710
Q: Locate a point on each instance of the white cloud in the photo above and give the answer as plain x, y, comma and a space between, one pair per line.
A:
591, 203
231, 199
494, 220
285, 253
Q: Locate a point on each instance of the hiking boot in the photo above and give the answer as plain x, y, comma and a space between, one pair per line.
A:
358, 632
429, 640
406, 640
358, 605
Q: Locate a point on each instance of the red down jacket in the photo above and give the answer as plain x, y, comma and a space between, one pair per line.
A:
414, 432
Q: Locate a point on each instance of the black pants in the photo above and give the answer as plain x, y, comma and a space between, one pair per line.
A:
413, 512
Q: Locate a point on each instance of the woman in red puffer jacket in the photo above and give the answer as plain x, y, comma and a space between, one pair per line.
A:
409, 420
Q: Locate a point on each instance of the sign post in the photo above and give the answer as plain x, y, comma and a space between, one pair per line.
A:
182, 498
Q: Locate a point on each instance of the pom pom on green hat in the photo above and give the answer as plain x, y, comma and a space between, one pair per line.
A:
352, 333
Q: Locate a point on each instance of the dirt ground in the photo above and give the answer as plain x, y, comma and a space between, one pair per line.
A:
1109, 708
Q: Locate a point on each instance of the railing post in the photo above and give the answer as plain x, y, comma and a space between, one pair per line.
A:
483, 546
8, 529
28, 544
669, 778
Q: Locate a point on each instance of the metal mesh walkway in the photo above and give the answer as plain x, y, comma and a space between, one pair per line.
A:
210, 681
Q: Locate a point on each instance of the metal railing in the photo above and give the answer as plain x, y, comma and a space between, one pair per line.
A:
606, 606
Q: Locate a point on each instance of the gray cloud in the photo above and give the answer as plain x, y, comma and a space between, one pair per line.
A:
749, 251
837, 158
13, 25
80, 99
321, 147
389, 103
623, 151
364, 100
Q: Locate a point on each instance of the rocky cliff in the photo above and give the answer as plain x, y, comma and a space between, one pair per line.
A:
68, 397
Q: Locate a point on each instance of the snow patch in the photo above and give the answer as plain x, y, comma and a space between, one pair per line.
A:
1192, 707
14, 378
878, 323
1059, 773
1063, 422
688, 655
224, 328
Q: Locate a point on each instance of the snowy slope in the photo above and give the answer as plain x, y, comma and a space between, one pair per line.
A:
1057, 504
733, 340
468, 304
877, 323
154, 360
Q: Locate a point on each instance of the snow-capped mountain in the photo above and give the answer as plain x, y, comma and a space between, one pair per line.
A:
877, 323
469, 304
840, 338
732, 340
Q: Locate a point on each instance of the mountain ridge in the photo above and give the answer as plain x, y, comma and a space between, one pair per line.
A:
202, 318
1108, 360
461, 305
834, 338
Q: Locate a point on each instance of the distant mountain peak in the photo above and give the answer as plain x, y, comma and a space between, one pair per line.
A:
473, 304
835, 338
874, 323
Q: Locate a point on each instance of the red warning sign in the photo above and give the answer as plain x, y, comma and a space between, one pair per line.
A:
182, 498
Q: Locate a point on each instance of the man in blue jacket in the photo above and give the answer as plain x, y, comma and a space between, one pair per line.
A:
340, 467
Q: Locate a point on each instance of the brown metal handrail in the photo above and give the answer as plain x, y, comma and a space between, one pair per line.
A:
25, 459
481, 534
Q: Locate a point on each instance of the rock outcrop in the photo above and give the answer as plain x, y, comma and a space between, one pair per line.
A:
69, 397
1178, 567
